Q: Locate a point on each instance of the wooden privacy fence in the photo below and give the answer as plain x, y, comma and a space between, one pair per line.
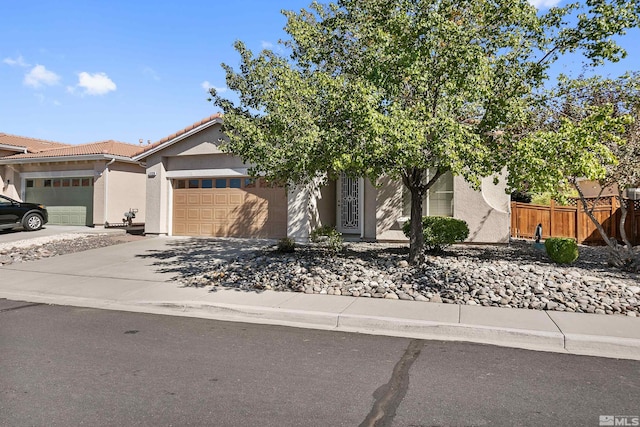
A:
572, 221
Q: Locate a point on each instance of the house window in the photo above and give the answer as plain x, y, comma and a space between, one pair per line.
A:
221, 183
235, 183
194, 183
207, 183
29, 183
249, 183
180, 183
56, 183
66, 182
437, 202
47, 183
75, 182
86, 182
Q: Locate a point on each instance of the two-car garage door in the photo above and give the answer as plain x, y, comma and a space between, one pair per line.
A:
229, 207
69, 201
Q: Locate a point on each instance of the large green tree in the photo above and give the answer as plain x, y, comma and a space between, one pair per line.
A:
401, 87
585, 128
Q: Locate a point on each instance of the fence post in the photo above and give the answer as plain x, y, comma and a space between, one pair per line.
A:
552, 232
615, 206
631, 217
578, 221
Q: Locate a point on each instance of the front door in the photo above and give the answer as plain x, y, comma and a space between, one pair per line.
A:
348, 204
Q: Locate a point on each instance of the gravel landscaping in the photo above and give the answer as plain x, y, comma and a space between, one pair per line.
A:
59, 244
515, 275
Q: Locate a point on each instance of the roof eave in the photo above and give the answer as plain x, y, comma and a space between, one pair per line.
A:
56, 159
145, 154
15, 148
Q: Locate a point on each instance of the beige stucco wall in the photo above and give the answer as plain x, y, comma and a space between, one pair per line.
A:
389, 210
326, 205
204, 161
9, 182
126, 189
487, 211
157, 195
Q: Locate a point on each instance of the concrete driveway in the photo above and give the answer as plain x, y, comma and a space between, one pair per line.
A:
152, 259
18, 234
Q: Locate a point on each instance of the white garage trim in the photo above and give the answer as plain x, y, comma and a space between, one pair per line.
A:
206, 173
58, 174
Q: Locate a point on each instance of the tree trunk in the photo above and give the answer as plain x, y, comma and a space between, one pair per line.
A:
623, 219
416, 240
413, 179
620, 256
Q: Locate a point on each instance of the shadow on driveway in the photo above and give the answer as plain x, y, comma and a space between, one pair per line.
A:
197, 256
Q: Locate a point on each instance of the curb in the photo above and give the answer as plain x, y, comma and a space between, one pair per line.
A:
557, 342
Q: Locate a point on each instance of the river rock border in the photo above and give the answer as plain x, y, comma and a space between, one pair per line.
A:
517, 275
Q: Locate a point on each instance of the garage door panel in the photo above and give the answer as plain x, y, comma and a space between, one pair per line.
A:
230, 212
221, 199
206, 214
179, 228
179, 214
179, 198
67, 205
236, 199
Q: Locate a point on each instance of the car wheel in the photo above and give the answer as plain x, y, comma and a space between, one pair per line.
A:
32, 222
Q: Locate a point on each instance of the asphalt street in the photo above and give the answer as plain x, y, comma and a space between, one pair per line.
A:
67, 366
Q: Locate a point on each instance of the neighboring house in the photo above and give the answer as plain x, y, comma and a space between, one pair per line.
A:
88, 184
194, 189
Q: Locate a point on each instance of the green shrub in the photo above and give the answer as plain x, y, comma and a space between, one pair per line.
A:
561, 250
329, 237
286, 245
440, 232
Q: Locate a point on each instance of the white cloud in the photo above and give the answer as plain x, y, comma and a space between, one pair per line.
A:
19, 61
94, 84
544, 4
148, 71
39, 76
266, 45
206, 86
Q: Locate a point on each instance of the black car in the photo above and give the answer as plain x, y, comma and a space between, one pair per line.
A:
14, 213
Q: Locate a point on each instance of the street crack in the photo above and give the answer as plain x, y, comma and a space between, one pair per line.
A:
389, 396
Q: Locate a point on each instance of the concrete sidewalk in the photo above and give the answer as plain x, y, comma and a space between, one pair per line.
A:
139, 276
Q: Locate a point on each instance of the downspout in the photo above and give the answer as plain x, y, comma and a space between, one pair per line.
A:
106, 189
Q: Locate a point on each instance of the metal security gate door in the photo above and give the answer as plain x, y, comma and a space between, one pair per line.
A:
349, 206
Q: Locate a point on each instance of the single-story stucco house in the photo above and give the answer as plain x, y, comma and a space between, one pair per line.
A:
88, 184
194, 189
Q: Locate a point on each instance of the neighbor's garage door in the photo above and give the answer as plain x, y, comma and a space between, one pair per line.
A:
69, 201
228, 207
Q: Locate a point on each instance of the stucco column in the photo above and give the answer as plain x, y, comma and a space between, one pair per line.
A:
157, 205
298, 218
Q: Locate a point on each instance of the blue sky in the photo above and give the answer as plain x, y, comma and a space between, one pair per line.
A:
86, 71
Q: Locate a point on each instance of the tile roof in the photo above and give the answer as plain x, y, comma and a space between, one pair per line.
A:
33, 145
114, 148
180, 132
